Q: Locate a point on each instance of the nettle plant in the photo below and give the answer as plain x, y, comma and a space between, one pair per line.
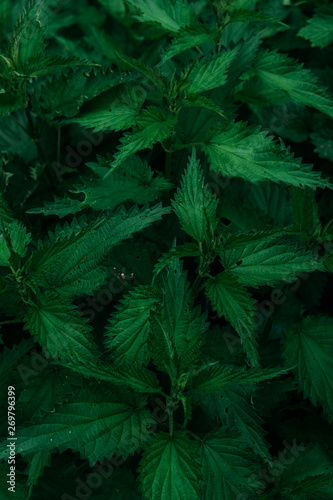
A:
164, 251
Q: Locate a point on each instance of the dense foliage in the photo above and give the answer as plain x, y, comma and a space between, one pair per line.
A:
165, 248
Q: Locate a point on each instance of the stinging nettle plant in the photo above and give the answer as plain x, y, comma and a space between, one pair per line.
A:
167, 163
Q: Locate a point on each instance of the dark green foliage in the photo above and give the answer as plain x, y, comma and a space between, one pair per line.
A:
166, 249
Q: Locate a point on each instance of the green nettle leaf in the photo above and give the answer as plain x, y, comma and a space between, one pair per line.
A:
186, 250
309, 486
178, 327
209, 73
231, 300
36, 467
188, 37
55, 324
89, 425
171, 14
76, 260
14, 240
133, 180
9, 102
44, 392
169, 468
28, 37
163, 166
319, 29
310, 346
132, 376
153, 125
129, 328
241, 15
237, 150
215, 378
231, 404
267, 263
283, 73
194, 205
117, 110
226, 466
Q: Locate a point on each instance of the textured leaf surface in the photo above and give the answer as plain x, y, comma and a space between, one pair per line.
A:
171, 14
319, 29
91, 426
188, 37
60, 331
283, 73
267, 263
169, 468
230, 299
226, 466
129, 328
216, 378
194, 204
209, 73
310, 345
241, 151
152, 126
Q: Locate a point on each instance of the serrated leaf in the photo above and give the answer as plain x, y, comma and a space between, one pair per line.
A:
241, 15
209, 73
133, 180
230, 299
240, 151
227, 467
57, 327
91, 426
232, 405
136, 377
310, 345
186, 250
267, 263
50, 387
195, 205
76, 261
154, 74
168, 468
153, 125
281, 72
64, 95
308, 487
218, 377
117, 110
14, 240
171, 14
129, 327
188, 37
319, 29
178, 328
36, 467
28, 36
